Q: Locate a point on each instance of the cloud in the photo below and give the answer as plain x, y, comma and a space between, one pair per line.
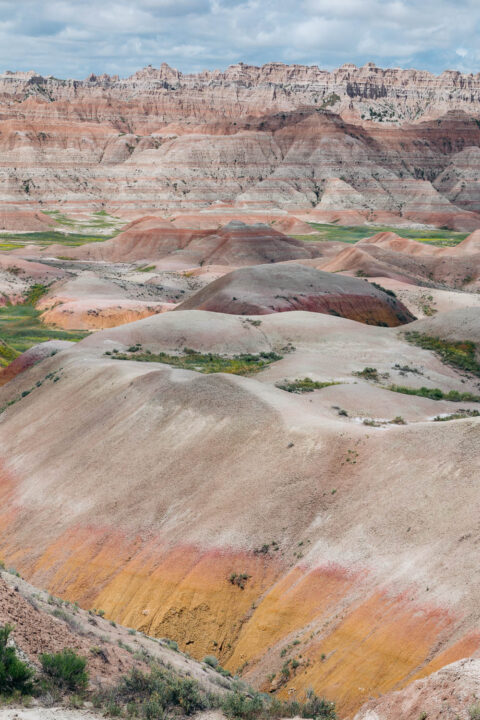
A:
76, 37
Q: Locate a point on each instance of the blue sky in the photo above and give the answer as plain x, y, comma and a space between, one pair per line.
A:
72, 38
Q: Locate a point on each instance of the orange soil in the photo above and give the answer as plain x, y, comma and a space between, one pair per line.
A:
348, 651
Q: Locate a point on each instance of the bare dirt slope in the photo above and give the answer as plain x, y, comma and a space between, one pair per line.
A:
452, 693
390, 255
145, 489
268, 289
235, 244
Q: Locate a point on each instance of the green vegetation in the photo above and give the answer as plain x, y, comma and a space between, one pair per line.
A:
474, 712
354, 233
245, 364
371, 373
9, 241
160, 693
382, 289
35, 292
151, 694
7, 354
238, 705
368, 373
21, 327
460, 415
304, 385
15, 675
100, 220
435, 393
146, 268
329, 101
66, 669
460, 355
53, 376
60, 217
213, 662
239, 579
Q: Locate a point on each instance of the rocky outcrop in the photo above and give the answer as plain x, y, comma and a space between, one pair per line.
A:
381, 94
359, 140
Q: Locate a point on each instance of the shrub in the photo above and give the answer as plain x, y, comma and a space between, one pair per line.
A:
15, 675
239, 579
237, 705
303, 385
461, 415
254, 705
368, 373
66, 668
382, 289
316, 707
152, 708
166, 689
211, 660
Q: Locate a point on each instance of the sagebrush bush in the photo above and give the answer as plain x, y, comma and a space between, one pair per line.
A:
168, 690
15, 675
239, 705
66, 669
255, 705
211, 660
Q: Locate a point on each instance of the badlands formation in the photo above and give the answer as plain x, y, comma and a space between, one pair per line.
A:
240, 383
356, 144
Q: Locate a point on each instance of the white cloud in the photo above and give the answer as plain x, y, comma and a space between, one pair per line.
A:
76, 37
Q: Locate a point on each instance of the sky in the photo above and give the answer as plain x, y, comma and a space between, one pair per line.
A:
73, 38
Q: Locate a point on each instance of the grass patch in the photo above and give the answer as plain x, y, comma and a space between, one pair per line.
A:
304, 385
21, 327
460, 355
435, 393
34, 293
9, 241
354, 233
100, 220
60, 217
7, 354
245, 364
146, 268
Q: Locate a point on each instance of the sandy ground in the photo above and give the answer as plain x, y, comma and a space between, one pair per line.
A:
53, 713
